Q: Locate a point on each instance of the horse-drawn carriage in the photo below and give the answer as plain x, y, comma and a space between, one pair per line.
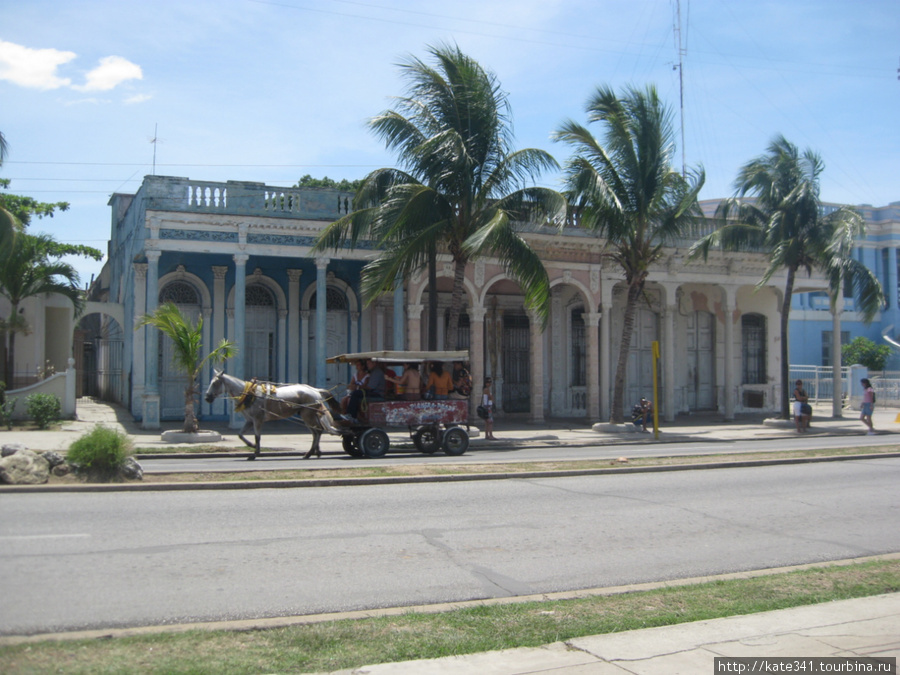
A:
433, 424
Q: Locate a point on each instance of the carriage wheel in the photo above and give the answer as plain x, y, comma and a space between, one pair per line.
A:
374, 443
427, 440
351, 445
456, 441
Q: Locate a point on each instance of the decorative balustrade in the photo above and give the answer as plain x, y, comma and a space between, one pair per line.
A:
241, 198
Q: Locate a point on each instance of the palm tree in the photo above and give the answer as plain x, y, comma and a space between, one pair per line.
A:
186, 339
628, 193
461, 188
783, 217
31, 268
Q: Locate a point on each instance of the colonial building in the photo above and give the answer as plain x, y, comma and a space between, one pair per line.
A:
238, 255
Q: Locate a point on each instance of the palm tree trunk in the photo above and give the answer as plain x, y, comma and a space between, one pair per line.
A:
190, 420
616, 413
459, 274
785, 351
11, 349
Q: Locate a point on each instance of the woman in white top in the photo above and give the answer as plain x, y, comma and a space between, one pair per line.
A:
487, 400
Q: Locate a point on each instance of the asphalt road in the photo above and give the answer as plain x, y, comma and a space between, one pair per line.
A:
103, 560
334, 458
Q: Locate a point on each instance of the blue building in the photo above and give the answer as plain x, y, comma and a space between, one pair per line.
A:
811, 320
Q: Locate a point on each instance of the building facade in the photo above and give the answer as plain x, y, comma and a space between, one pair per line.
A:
812, 329
238, 255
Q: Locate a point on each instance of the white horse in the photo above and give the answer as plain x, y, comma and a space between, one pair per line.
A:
261, 402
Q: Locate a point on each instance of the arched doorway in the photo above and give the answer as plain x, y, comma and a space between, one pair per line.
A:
639, 372
260, 326
336, 339
701, 360
171, 379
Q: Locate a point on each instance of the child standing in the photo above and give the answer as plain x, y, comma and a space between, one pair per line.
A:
487, 400
868, 405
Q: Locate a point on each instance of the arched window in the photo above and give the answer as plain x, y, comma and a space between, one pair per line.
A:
753, 341
179, 292
334, 299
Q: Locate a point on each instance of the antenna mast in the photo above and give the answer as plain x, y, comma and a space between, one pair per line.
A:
154, 141
680, 66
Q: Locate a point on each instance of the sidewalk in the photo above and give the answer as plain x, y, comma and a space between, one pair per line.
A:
864, 627
292, 436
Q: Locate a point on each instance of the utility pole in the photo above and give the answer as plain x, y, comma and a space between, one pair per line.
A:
680, 67
154, 140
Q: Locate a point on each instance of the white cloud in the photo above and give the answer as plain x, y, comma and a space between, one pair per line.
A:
138, 98
33, 68
112, 71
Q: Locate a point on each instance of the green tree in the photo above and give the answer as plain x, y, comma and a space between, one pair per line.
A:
187, 342
866, 353
326, 182
32, 267
776, 209
627, 191
461, 188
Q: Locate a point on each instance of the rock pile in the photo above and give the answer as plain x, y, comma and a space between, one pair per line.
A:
21, 466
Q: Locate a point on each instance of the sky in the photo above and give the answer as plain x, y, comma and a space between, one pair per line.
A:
96, 94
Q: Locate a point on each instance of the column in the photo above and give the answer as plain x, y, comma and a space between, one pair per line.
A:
414, 327
282, 351
218, 325
399, 342
836, 313
240, 311
208, 346
321, 321
592, 322
670, 311
537, 368
139, 341
150, 412
239, 338
304, 338
379, 327
605, 323
729, 304
354, 332
890, 293
476, 356
293, 320
557, 359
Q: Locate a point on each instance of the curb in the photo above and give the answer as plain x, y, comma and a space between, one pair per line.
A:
450, 478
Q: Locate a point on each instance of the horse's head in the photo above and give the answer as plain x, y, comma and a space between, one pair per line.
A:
215, 386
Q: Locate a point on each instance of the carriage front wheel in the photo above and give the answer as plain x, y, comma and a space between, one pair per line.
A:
427, 440
374, 443
456, 441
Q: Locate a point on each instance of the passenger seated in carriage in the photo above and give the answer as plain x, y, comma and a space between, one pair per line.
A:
409, 384
371, 390
462, 381
356, 382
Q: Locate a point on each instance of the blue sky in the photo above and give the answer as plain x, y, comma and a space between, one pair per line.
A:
268, 91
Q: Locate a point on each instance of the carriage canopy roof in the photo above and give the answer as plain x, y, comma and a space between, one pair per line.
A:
401, 357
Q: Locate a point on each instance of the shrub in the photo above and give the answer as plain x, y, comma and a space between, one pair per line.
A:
7, 408
44, 409
100, 453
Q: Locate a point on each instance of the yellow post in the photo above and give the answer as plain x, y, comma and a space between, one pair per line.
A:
655, 392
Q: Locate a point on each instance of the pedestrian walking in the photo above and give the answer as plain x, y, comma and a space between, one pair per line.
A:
487, 401
868, 405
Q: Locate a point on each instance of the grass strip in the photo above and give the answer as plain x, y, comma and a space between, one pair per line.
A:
335, 645
443, 469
